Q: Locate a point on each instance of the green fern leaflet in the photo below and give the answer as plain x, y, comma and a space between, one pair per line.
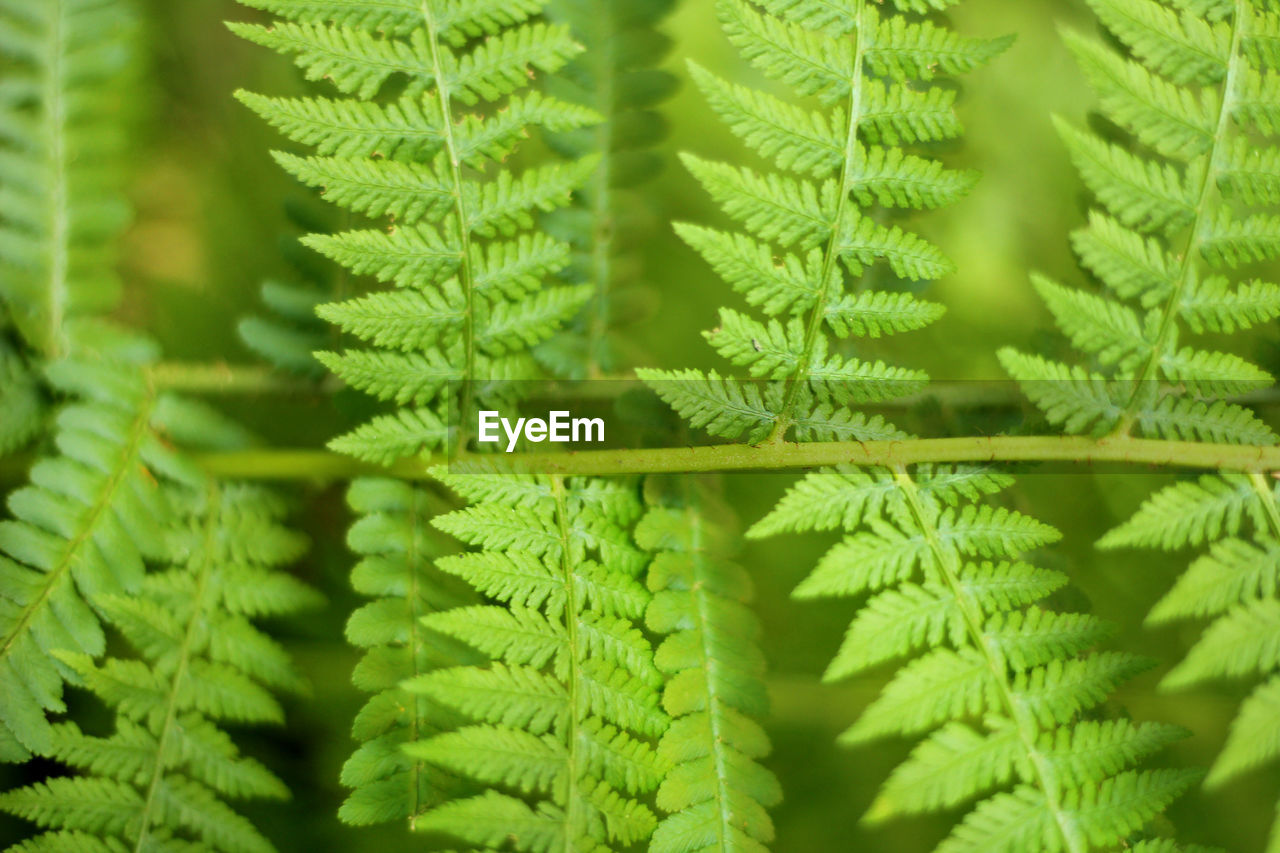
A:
470, 271
160, 781
1000, 687
562, 719
811, 240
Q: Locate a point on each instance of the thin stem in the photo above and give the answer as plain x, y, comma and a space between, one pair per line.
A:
205, 562
949, 566
1263, 488
59, 192
604, 226
413, 556
712, 664
832, 257
466, 274
223, 378
323, 466
1215, 165
573, 799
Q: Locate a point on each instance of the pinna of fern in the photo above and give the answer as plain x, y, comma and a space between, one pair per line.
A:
21, 403
1190, 203
1002, 688
433, 104
1183, 204
161, 779
811, 230
397, 547
69, 68
616, 76
91, 516
1234, 586
562, 717
716, 794
285, 332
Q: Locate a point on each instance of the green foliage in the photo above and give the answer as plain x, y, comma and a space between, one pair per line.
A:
1001, 687
562, 717
617, 77
1177, 216
286, 332
81, 530
811, 230
1182, 210
160, 780
397, 547
69, 66
21, 405
717, 792
1235, 585
460, 247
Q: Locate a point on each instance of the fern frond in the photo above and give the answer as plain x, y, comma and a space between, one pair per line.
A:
163, 776
716, 792
62, 205
1179, 216
461, 242
21, 406
81, 530
997, 683
397, 548
1235, 584
617, 77
562, 717
809, 233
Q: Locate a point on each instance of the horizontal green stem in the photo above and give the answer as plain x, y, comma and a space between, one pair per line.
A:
222, 378
320, 465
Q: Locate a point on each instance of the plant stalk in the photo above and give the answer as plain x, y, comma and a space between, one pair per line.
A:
1186, 455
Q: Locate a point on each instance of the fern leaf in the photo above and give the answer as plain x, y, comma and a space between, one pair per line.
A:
403, 157
978, 649
715, 793
568, 672
394, 16
62, 207
796, 139
81, 530
722, 407
920, 49
163, 774
1213, 307
1175, 220
1143, 195
1173, 121
811, 237
396, 544
1185, 48
619, 77
807, 60
1079, 400
1126, 262
1190, 513
353, 59
1109, 330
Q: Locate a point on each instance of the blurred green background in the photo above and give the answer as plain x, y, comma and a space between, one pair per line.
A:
211, 226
